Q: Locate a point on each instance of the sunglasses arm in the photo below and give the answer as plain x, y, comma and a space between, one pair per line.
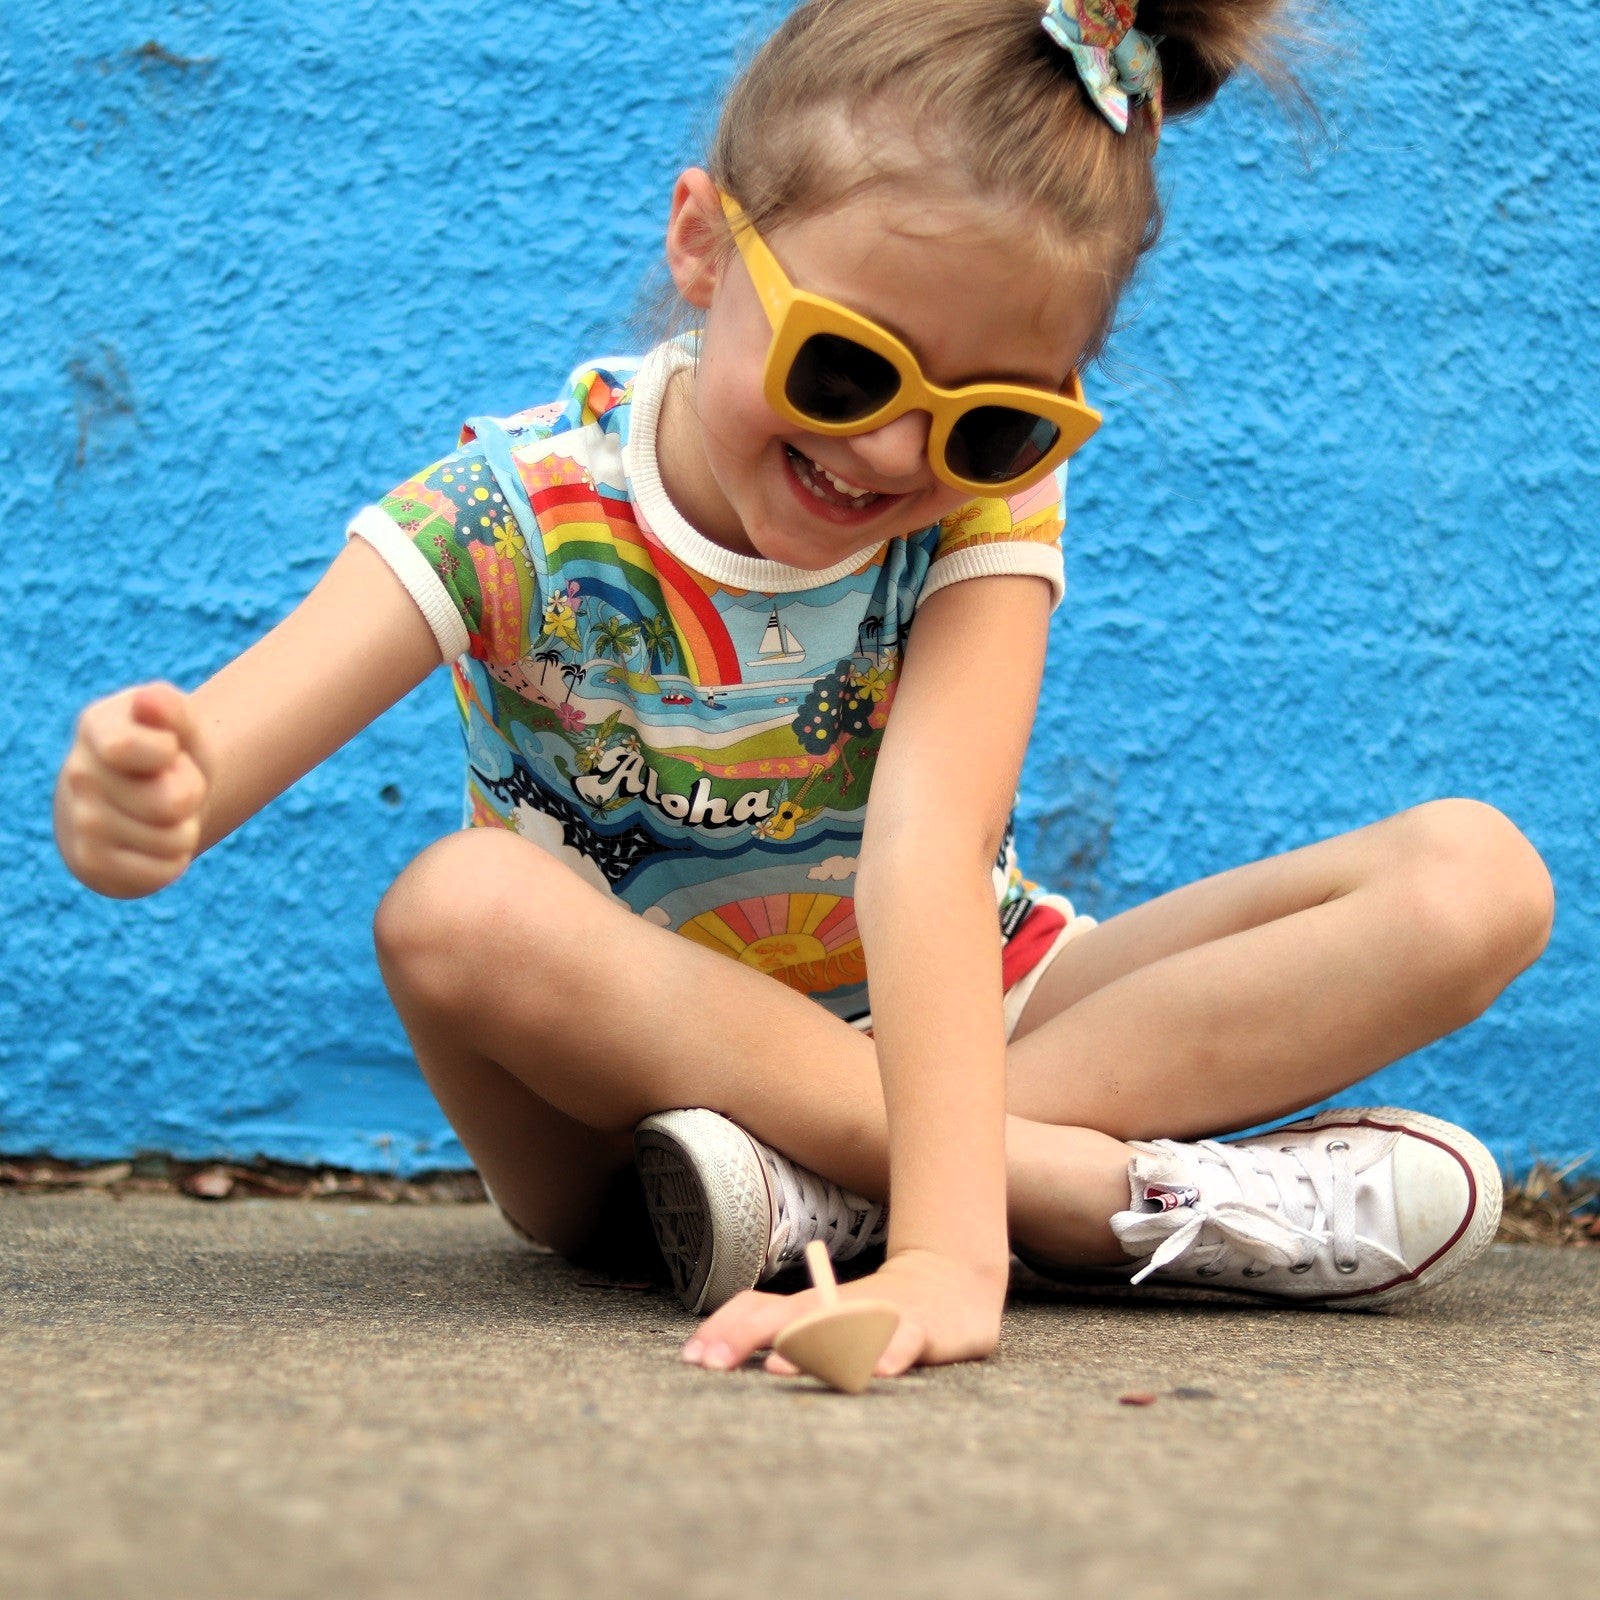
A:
772, 284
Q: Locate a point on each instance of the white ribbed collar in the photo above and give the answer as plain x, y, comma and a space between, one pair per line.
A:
669, 524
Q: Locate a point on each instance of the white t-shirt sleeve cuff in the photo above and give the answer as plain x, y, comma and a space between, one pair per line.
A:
993, 560
410, 566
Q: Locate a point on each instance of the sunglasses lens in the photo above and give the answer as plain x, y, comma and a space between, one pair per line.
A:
992, 444
837, 380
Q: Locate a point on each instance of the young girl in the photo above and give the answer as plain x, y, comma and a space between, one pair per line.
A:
679, 604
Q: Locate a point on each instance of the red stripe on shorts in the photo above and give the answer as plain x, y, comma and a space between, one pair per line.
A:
1029, 945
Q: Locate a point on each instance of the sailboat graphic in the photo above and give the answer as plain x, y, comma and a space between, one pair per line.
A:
778, 645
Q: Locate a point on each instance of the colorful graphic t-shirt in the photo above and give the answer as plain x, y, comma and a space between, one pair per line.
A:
690, 729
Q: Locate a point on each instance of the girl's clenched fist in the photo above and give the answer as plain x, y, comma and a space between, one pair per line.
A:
131, 799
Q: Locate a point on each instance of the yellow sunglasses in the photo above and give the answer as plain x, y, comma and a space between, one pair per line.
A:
832, 371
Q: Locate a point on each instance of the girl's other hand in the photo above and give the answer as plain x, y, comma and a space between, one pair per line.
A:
131, 799
949, 1311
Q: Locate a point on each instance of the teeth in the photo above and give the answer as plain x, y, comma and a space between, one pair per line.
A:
809, 471
840, 484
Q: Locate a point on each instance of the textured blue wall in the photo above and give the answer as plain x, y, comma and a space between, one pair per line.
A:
1331, 555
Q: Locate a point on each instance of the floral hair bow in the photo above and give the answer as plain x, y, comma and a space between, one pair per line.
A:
1118, 64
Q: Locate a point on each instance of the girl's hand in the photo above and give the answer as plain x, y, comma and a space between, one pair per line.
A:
949, 1311
132, 793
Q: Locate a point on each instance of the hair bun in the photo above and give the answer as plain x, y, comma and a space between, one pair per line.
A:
1204, 42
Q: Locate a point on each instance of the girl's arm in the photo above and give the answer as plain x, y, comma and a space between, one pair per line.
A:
945, 782
155, 776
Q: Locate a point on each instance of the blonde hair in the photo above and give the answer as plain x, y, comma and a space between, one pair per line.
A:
977, 91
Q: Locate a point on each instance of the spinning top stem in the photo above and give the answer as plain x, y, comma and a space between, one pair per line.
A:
821, 1270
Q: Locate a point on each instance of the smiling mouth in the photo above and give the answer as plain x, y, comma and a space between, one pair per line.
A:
828, 488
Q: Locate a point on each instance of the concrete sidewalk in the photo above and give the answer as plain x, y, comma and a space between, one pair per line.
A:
278, 1399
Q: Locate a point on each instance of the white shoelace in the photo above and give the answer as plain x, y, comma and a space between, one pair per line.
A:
810, 1208
1256, 1223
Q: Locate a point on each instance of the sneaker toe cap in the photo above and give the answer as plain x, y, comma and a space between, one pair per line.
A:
1436, 1198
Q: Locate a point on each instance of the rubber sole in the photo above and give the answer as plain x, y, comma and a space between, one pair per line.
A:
706, 1192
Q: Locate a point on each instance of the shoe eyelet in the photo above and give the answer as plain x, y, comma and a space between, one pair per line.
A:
1347, 1267
1304, 1266
1208, 1272
1255, 1272
1337, 1144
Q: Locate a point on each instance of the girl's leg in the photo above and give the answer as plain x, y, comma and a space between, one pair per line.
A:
550, 1174
1261, 991
550, 1020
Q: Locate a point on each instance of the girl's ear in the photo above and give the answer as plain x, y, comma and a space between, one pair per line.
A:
696, 237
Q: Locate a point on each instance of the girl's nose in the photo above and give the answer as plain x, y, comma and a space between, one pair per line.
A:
896, 451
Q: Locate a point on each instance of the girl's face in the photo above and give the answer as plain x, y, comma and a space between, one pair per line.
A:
938, 272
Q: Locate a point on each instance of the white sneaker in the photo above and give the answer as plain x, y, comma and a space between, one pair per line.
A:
729, 1213
1347, 1209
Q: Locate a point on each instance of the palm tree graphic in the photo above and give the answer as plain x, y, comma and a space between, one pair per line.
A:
574, 674
546, 660
615, 637
871, 628
658, 641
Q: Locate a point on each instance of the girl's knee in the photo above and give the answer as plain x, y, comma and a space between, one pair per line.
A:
1481, 891
442, 917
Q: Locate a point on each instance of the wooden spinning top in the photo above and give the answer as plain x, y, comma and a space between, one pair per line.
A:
840, 1343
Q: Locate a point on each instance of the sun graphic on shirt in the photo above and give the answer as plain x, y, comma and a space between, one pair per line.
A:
808, 941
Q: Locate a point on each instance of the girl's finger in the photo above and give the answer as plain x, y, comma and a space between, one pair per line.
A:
120, 744
162, 799
130, 876
161, 705
904, 1350
118, 831
749, 1322
781, 1367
